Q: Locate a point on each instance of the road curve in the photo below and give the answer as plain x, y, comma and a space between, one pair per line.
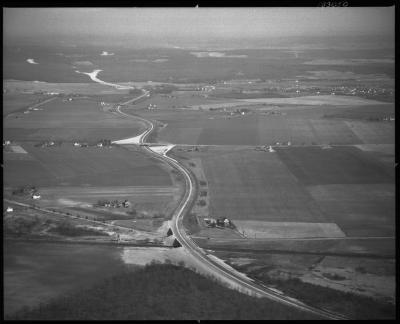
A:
200, 255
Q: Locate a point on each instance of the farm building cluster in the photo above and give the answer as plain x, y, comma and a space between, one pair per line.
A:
113, 204
101, 143
27, 191
221, 222
48, 144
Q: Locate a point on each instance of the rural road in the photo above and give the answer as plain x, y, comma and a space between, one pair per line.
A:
224, 274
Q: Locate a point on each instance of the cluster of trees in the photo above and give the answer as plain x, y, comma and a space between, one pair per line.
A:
135, 92
191, 224
67, 229
24, 190
19, 225
201, 203
354, 306
158, 292
163, 88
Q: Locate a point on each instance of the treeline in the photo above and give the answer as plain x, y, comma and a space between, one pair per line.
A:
355, 306
158, 292
67, 229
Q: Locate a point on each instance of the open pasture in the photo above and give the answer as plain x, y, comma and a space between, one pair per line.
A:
92, 166
70, 121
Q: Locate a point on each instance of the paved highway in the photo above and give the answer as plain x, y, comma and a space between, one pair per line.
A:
217, 270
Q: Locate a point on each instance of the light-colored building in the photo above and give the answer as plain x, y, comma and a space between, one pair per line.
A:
10, 209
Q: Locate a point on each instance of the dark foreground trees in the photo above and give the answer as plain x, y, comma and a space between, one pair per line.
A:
158, 291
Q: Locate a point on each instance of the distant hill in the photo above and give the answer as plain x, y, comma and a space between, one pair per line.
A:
158, 292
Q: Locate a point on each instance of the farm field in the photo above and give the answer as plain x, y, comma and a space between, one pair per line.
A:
338, 165
13, 102
177, 100
66, 165
69, 121
373, 132
66, 88
146, 200
245, 184
300, 192
300, 125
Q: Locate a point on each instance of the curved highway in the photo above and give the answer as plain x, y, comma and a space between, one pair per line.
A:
217, 270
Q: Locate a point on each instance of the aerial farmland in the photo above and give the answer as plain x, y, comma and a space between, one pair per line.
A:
266, 165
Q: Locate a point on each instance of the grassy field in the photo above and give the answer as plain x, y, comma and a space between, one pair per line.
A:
69, 121
70, 166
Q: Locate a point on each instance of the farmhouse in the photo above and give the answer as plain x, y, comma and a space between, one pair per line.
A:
36, 196
10, 209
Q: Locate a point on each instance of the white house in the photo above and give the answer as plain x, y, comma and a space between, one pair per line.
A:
10, 209
36, 196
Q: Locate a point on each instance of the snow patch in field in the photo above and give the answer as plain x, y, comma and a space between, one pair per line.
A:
68, 202
105, 53
161, 149
144, 255
130, 140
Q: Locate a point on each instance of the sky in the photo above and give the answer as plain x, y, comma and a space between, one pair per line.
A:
197, 22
